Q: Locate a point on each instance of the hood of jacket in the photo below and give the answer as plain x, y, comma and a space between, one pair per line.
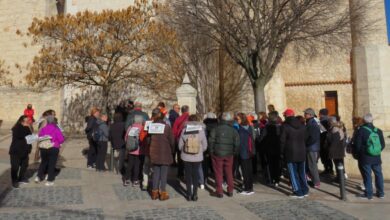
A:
294, 122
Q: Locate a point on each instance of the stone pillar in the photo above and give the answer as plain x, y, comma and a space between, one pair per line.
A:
186, 95
371, 67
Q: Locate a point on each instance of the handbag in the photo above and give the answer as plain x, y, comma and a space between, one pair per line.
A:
45, 143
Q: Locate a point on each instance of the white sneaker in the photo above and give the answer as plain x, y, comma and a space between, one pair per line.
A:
362, 187
224, 185
346, 176
37, 180
201, 186
49, 183
47, 176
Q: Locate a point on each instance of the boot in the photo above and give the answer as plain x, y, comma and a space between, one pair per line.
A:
154, 194
164, 196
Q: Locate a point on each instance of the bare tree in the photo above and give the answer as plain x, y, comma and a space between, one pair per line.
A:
256, 33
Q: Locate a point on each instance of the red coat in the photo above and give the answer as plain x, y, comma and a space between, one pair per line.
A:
30, 114
179, 125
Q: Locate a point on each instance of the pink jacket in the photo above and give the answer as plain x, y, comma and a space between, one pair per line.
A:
54, 132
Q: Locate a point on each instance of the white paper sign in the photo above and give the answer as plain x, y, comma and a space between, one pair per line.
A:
147, 123
190, 128
156, 128
32, 138
134, 132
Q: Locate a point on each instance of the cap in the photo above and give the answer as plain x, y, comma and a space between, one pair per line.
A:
289, 112
310, 111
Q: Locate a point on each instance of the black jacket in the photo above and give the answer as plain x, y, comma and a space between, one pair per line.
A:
313, 136
335, 147
91, 123
19, 144
271, 139
173, 115
117, 134
360, 145
292, 140
210, 123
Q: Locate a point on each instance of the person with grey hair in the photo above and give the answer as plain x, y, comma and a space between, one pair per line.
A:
49, 151
369, 144
313, 141
224, 143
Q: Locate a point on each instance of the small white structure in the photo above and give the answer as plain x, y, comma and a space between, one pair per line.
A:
186, 95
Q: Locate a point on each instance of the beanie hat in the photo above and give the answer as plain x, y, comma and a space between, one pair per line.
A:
289, 112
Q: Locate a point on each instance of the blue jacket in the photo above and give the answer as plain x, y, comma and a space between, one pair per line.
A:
246, 138
313, 136
360, 145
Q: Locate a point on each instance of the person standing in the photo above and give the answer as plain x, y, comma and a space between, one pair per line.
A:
29, 112
49, 156
313, 141
335, 144
211, 123
136, 111
271, 144
247, 152
192, 144
293, 150
91, 121
174, 113
324, 127
19, 151
177, 129
160, 150
117, 134
369, 144
100, 135
224, 143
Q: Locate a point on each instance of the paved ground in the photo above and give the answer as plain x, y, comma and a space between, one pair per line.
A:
83, 194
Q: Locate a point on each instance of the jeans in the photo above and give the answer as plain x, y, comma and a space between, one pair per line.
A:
133, 168
312, 166
101, 155
223, 165
18, 167
160, 175
48, 163
298, 178
366, 171
92, 151
191, 170
247, 173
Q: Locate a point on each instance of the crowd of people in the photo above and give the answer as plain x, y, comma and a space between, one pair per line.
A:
232, 147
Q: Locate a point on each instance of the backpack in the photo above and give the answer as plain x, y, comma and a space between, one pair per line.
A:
374, 146
192, 144
96, 133
132, 139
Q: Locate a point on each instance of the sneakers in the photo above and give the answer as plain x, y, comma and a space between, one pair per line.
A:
362, 187
296, 196
306, 195
24, 181
346, 176
381, 197
317, 186
89, 167
49, 183
362, 196
201, 186
126, 182
247, 193
135, 184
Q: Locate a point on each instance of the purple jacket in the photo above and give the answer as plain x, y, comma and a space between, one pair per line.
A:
54, 132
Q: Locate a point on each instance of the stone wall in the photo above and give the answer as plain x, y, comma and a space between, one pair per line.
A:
17, 15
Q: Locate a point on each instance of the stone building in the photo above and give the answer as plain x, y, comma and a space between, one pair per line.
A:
346, 83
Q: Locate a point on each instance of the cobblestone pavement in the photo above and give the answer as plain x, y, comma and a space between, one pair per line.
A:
80, 193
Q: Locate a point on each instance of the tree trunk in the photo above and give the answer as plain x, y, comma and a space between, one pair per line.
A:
221, 81
105, 103
259, 95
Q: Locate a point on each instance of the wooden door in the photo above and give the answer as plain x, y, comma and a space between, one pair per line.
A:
331, 102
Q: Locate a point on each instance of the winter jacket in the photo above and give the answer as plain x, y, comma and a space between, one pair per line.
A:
117, 134
19, 144
247, 142
313, 135
30, 114
270, 142
179, 125
361, 145
292, 140
335, 143
132, 114
162, 146
224, 140
91, 123
173, 115
210, 123
200, 136
103, 130
52, 130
